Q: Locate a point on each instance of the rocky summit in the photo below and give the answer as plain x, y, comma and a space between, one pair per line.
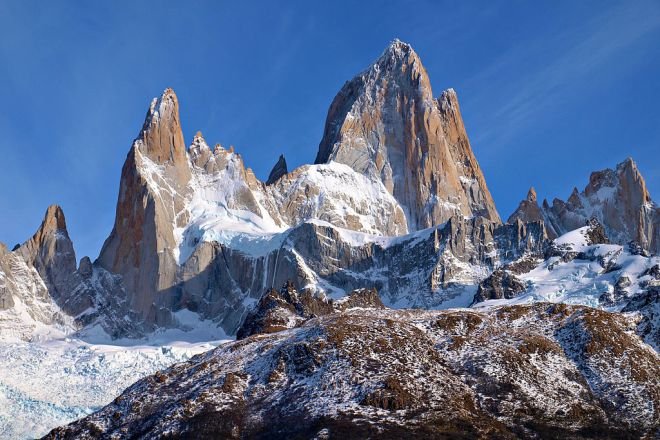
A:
385, 123
618, 198
333, 278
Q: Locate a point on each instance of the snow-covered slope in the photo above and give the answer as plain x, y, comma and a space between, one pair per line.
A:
228, 205
46, 384
577, 268
577, 272
28, 312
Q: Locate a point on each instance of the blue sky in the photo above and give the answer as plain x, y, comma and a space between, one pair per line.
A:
549, 90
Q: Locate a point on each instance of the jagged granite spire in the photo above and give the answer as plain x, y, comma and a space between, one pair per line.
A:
279, 170
150, 206
617, 198
528, 210
51, 252
386, 124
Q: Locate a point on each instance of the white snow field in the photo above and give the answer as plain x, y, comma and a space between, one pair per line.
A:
50, 383
581, 281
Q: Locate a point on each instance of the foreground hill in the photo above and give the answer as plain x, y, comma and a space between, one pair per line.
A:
536, 371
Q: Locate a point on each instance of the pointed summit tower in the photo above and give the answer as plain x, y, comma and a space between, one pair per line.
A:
386, 124
50, 251
279, 170
150, 206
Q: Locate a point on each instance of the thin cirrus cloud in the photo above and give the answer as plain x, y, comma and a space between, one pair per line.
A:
562, 63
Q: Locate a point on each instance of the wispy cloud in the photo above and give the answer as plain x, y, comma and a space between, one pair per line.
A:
566, 60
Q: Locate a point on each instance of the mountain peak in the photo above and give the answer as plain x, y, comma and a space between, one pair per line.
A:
279, 170
161, 135
531, 195
617, 198
54, 219
165, 106
401, 60
50, 249
398, 48
628, 163
386, 124
528, 210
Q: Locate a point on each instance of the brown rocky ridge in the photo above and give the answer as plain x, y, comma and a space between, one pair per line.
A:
535, 371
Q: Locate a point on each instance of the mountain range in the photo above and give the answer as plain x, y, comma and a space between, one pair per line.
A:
395, 205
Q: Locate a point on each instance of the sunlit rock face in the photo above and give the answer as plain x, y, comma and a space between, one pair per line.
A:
617, 198
386, 124
371, 372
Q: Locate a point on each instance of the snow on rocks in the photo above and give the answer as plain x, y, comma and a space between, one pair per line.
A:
515, 371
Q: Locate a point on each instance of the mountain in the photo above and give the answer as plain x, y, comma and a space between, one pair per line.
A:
44, 295
279, 170
386, 124
150, 207
196, 229
330, 276
618, 198
395, 202
533, 371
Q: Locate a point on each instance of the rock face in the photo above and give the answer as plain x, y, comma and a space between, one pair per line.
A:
43, 294
50, 252
501, 284
150, 207
529, 210
617, 198
278, 170
385, 123
405, 374
469, 172
277, 311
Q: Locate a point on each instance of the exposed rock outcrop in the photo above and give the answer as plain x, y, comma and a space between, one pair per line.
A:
617, 198
153, 188
287, 308
647, 304
386, 124
501, 284
50, 252
278, 170
528, 210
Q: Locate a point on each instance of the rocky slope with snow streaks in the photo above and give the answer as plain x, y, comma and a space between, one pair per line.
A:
534, 371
